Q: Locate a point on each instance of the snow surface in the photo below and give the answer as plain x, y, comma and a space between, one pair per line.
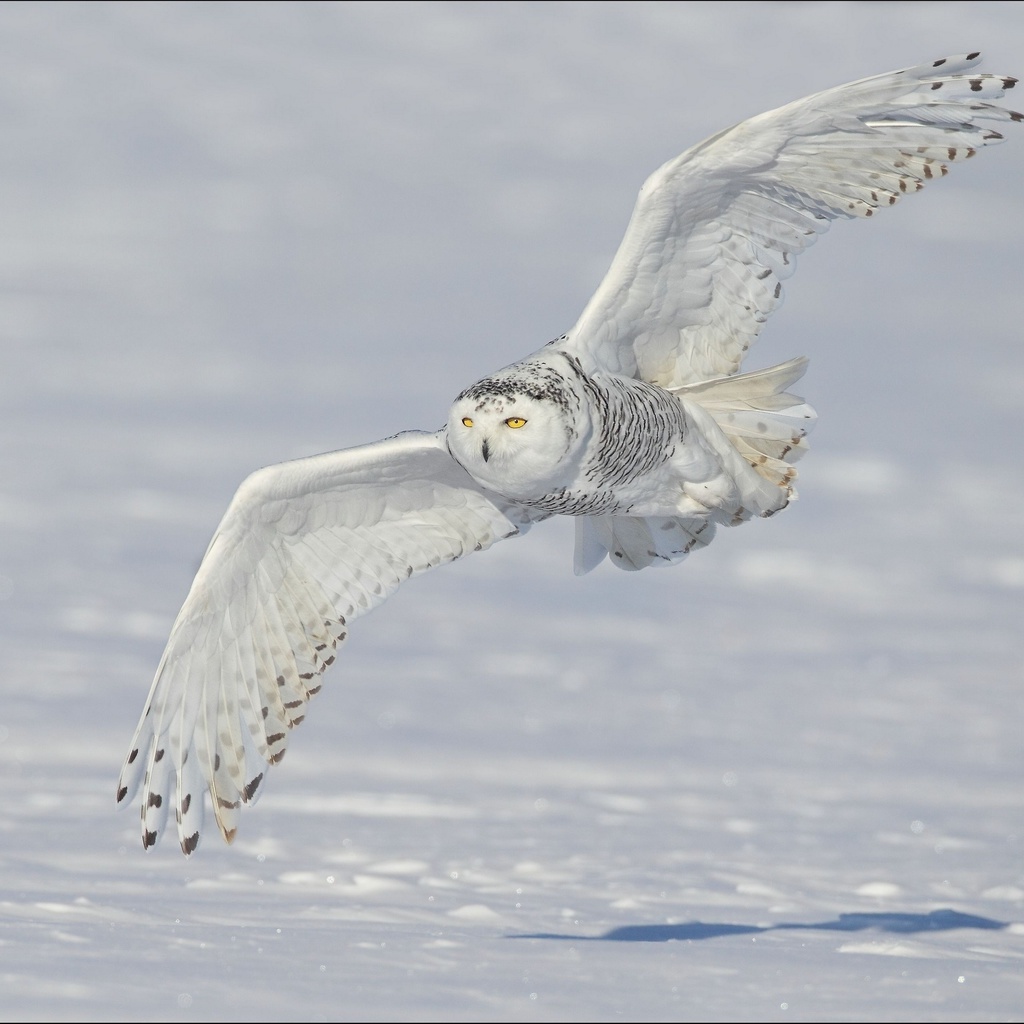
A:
780, 782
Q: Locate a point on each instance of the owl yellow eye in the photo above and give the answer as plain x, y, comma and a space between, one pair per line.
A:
466, 421
515, 422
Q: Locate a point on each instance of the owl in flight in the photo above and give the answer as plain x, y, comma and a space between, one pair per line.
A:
635, 422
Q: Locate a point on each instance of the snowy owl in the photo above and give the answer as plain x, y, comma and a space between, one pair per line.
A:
635, 422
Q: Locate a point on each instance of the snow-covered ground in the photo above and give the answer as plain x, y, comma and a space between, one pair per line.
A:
781, 781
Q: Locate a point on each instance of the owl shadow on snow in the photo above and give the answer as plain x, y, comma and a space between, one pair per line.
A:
893, 923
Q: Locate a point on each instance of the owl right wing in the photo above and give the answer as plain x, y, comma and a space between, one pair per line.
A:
715, 231
303, 549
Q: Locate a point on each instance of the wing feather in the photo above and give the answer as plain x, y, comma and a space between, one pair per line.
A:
303, 548
716, 230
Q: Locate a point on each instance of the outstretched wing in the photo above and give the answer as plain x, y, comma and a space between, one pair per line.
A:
716, 230
304, 548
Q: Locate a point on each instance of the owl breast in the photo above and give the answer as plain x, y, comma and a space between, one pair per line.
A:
631, 466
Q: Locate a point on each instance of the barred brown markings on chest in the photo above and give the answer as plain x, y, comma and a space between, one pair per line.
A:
639, 423
578, 503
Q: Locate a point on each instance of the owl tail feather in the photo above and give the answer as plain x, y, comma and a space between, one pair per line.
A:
764, 430
636, 542
764, 423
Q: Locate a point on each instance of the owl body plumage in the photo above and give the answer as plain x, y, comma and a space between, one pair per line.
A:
636, 422
619, 447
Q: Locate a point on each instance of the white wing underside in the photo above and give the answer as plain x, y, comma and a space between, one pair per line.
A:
304, 548
715, 231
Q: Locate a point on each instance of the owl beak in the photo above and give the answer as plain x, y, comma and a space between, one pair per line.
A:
486, 451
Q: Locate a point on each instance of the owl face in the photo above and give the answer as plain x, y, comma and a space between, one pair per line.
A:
517, 444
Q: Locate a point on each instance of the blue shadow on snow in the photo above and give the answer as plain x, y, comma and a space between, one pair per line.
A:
903, 924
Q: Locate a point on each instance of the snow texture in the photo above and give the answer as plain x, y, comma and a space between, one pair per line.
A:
782, 781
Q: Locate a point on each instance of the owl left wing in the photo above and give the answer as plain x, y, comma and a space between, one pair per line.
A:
303, 549
715, 231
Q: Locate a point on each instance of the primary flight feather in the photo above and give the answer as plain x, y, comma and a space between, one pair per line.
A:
636, 422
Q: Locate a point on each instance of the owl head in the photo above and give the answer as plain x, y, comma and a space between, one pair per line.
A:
519, 431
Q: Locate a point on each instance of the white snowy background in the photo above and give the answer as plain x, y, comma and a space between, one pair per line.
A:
782, 781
